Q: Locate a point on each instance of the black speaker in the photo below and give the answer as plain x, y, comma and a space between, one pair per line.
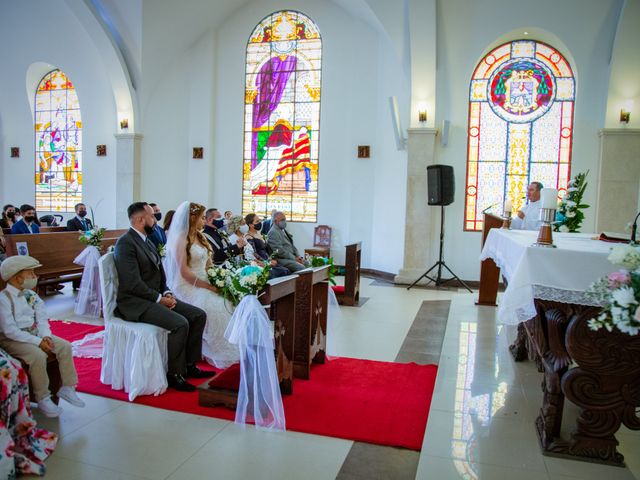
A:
440, 184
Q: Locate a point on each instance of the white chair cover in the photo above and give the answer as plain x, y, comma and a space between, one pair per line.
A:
135, 353
334, 321
89, 301
259, 398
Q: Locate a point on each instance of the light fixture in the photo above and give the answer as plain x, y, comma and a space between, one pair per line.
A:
422, 116
526, 33
124, 124
625, 116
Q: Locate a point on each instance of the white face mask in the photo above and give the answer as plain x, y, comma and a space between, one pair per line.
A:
30, 283
244, 229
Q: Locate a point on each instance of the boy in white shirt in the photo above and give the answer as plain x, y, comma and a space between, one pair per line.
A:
25, 334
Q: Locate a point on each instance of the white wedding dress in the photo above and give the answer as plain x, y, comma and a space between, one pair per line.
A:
215, 348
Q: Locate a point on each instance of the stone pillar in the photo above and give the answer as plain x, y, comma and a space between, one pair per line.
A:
421, 219
128, 152
618, 179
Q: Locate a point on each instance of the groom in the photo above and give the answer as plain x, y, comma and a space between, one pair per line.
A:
143, 296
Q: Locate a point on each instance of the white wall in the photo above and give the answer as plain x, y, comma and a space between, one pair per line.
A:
587, 29
58, 39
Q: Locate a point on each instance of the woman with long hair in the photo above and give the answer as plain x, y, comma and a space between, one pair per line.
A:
188, 258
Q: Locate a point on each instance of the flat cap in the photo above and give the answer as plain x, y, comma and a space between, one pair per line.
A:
14, 265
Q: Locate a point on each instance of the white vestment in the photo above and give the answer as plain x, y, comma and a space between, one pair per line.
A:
531, 220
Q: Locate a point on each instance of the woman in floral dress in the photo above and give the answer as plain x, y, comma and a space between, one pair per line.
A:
23, 447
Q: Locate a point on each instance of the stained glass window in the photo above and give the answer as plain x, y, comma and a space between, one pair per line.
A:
282, 117
58, 144
521, 102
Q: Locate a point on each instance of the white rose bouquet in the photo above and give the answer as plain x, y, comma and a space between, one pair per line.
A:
569, 215
93, 237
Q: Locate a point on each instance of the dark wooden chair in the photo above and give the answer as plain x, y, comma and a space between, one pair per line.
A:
321, 242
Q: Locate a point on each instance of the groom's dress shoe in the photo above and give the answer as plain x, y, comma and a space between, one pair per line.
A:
177, 382
195, 372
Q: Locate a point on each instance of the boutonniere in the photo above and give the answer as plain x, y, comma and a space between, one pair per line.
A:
162, 250
31, 297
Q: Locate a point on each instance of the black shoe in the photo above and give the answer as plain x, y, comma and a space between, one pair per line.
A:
195, 372
177, 382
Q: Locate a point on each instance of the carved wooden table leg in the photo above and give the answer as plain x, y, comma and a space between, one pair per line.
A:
518, 348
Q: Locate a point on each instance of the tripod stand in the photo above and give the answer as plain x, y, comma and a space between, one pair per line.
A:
440, 263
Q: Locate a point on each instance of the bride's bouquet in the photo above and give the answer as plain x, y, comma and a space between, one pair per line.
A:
234, 283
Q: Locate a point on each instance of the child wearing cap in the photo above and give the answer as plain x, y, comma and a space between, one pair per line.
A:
25, 334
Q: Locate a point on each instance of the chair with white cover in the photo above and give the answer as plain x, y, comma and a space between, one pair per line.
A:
135, 353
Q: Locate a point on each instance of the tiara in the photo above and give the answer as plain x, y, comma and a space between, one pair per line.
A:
195, 208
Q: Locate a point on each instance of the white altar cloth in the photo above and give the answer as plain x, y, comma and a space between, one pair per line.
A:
561, 274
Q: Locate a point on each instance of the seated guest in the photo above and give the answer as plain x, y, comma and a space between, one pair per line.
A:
222, 248
23, 446
227, 217
79, 222
267, 223
281, 243
237, 229
158, 236
167, 221
143, 296
529, 217
8, 216
256, 249
217, 221
28, 222
25, 334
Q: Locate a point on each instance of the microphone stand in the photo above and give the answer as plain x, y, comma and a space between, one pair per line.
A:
634, 229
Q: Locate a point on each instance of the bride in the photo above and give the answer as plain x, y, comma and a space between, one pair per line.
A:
186, 263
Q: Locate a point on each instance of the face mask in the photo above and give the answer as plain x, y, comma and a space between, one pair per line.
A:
82, 214
244, 229
11, 215
158, 216
258, 226
218, 223
282, 224
29, 219
148, 230
30, 283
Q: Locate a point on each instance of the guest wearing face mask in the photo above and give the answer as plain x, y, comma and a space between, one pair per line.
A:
238, 228
8, 216
256, 249
268, 223
281, 243
158, 236
220, 244
28, 222
80, 223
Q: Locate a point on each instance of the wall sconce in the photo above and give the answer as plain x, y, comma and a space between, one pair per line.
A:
625, 116
124, 124
422, 116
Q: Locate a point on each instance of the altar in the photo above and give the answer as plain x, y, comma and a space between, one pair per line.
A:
599, 371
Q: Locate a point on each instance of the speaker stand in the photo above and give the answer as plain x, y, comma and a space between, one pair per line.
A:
440, 264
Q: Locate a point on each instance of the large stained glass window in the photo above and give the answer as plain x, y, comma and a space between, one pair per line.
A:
282, 117
58, 139
521, 102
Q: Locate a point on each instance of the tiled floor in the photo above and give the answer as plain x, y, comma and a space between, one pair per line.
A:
480, 424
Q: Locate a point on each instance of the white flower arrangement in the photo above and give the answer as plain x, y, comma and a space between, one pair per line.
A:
234, 283
93, 237
569, 216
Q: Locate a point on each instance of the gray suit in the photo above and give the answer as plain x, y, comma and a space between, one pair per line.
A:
141, 280
281, 244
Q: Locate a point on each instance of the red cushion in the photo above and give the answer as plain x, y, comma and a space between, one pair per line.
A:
338, 288
228, 379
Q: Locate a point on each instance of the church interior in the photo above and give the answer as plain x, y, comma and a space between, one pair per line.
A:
374, 118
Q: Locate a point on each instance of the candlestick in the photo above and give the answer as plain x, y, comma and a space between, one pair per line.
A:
508, 205
549, 197
545, 235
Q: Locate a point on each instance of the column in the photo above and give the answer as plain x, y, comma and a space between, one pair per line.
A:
128, 152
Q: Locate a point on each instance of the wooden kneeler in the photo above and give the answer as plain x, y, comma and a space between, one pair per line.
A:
55, 380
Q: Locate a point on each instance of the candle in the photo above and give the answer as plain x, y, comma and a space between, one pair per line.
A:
508, 205
549, 197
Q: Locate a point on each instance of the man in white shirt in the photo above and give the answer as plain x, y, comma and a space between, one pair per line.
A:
529, 217
25, 334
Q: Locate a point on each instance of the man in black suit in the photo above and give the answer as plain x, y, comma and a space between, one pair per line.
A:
222, 248
143, 296
79, 222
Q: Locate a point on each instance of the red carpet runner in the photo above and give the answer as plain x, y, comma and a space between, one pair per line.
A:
363, 400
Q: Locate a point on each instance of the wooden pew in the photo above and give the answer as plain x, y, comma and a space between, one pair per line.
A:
351, 294
311, 319
7, 231
56, 252
489, 271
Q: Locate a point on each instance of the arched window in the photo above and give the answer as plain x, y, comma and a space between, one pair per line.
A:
282, 117
520, 126
58, 144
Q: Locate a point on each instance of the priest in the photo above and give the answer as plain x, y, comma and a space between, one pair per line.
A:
528, 217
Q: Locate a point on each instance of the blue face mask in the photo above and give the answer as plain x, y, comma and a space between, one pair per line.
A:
218, 223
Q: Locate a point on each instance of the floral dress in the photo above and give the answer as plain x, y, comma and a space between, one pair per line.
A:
23, 447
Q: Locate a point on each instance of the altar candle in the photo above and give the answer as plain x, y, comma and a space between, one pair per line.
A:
549, 197
508, 205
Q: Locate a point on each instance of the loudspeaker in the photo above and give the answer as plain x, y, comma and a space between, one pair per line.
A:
440, 184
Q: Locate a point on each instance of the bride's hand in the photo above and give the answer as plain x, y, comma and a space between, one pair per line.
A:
212, 288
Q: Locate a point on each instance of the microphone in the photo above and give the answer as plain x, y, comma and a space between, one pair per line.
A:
634, 229
493, 205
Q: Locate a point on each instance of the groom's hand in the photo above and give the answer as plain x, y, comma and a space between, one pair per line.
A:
168, 302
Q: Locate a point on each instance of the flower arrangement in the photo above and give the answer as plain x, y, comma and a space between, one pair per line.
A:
317, 261
234, 283
93, 237
569, 216
619, 293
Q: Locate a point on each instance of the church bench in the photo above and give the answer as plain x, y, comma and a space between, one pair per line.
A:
7, 231
56, 252
350, 293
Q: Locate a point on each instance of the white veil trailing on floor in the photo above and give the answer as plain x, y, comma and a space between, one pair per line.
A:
259, 398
